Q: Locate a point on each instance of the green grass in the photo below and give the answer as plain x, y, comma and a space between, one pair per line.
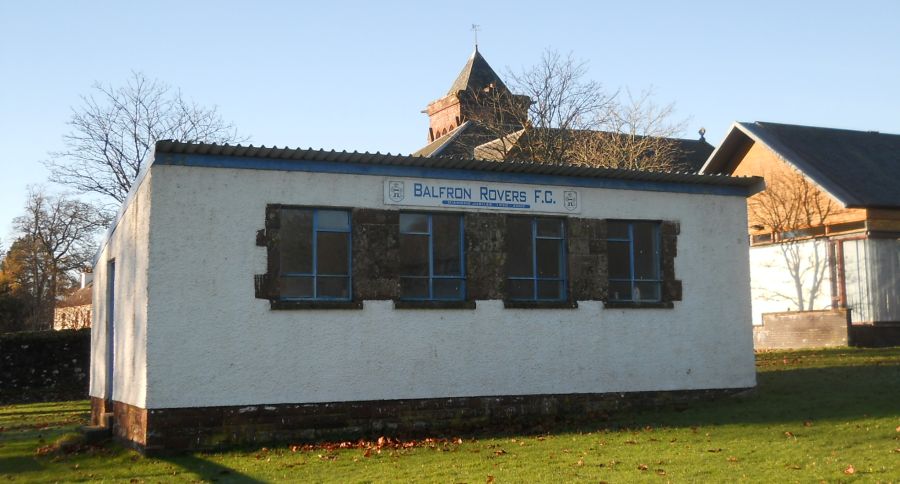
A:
815, 414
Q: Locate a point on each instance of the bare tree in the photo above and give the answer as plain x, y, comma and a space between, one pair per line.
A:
115, 128
56, 240
794, 211
559, 116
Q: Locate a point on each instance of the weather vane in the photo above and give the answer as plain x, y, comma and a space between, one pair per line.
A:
475, 29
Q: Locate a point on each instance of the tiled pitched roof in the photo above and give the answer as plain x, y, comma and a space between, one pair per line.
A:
859, 168
476, 142
475, 75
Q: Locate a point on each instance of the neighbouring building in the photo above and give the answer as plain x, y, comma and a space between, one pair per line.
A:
824, 236
74, 311
250, 294
462, 123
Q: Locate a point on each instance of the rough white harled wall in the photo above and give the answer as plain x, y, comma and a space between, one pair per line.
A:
211, 343
128, 245
774, 290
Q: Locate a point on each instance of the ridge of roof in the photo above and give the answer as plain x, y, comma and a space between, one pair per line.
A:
858, 168
171, 147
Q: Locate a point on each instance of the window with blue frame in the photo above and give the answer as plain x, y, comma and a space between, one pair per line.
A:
432, 266
536, 259
634, 261
314, 254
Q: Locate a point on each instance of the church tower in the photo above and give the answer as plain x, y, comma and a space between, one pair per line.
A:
476, 83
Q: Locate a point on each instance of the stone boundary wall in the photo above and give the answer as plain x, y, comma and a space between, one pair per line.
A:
44, 366
802, 329
156, 431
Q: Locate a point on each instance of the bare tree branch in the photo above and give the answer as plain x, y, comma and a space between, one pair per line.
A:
559, 116
114, 130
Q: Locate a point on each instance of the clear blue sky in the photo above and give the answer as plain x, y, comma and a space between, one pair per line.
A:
355, 75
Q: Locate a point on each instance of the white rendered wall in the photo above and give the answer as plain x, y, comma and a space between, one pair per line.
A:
128, 245
773, 288
211, 343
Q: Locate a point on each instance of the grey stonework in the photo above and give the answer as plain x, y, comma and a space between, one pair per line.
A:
485, 235
587, 259
671, 287
376, 256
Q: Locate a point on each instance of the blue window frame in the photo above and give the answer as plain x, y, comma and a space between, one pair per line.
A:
314, 249
432, 259
634, 261
536, 259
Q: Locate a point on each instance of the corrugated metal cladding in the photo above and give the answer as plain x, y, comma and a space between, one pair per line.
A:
753, 184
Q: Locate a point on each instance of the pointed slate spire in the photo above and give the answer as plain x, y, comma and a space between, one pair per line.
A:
477, 74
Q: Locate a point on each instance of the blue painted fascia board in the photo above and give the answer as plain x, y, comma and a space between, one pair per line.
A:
250, 163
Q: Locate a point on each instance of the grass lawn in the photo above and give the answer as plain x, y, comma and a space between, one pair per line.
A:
825, 415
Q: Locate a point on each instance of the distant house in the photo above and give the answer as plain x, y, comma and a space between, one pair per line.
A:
456, 126
844, 241
74, 311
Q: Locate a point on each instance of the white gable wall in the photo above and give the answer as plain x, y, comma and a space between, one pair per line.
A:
212, 343
128, 245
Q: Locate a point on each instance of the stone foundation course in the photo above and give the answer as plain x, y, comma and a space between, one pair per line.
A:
170, 430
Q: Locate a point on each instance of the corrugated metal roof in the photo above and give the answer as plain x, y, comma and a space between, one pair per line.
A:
753, 184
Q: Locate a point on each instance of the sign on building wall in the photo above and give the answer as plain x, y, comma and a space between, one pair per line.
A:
412, 192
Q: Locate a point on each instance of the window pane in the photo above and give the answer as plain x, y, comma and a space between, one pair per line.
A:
521, 289
619, 291
295, 241
295, 287
619, 263
550, 289
548, 257
646, 291
334, 220
413, 288
549, 227
333, 287
617, 230
333, 252
413, 222
447, 288
445, 245
646, 253
413, 255
519, 253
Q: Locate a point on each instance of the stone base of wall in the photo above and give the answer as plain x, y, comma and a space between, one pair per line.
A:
802, 329
178, 429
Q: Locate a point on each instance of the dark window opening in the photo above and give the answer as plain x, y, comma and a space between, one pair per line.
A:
432, 264
536, 259
634, 262
314, 254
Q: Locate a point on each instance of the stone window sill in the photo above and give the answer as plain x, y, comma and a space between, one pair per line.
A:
540, 304
287, 305
434, 304
638, 305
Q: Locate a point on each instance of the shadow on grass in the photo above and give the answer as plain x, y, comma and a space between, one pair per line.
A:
208, 470
792, 395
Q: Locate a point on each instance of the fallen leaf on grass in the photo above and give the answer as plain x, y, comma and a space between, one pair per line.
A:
499, 452
807, 423
490, 479
580, 463
660, 472
790, 435
850, 470
732, 458
630, 442
643, 467
714, 451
